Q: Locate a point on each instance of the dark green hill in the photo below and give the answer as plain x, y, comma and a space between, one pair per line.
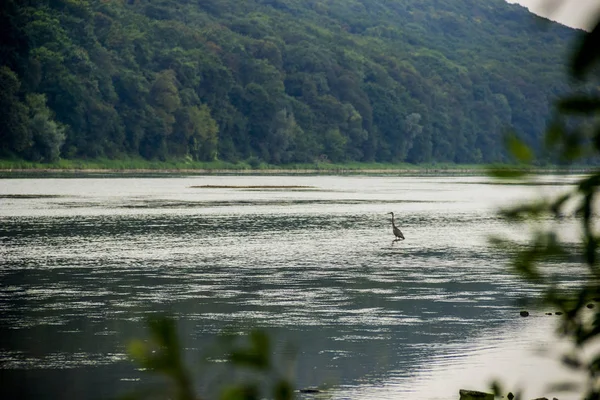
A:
279, 80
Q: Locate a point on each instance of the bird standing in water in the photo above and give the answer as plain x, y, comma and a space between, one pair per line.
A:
395, 229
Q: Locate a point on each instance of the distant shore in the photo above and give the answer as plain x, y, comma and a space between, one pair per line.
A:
103, 166
245, 171
278, 171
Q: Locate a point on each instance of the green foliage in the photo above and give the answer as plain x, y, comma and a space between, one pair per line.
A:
283, 135
574, 134
15, 136
196, 134
519, 149
276, 80
28, 128
161, 354
334, 143
164, 94
47, 135
585, 54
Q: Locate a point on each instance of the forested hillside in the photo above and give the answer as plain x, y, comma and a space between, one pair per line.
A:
276, 80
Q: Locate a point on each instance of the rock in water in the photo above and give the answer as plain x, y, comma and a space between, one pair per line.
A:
309, 390
474, 395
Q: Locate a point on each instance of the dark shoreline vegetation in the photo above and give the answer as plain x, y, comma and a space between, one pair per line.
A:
140, 166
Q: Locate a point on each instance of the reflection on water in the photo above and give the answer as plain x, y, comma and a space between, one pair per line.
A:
84, 261
521, 356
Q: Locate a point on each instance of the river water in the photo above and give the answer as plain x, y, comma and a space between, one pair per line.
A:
310, 259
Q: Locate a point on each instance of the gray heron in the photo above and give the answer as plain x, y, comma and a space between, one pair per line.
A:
395, 229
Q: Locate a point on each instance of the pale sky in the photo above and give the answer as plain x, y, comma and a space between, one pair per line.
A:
574, 13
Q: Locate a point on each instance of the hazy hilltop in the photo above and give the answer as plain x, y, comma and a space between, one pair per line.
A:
277, 80
581, 14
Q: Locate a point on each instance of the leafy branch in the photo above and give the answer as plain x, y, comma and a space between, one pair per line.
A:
573, 135
161, 354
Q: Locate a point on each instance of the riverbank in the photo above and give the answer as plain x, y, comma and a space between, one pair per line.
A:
136, 166
273, 171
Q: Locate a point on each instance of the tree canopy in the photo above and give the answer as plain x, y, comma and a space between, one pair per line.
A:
278, 80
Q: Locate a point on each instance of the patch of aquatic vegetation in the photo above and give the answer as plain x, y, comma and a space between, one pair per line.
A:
30, 196
77, 204
287, 190
235, 203
256, 187
521, 183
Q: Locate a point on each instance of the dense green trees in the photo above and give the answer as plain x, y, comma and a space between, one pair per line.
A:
280, 80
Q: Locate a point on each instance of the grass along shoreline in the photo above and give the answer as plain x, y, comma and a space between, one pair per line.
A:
140, 166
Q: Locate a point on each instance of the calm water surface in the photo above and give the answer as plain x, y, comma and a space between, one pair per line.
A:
83, 262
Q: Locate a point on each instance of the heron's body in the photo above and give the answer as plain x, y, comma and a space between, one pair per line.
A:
397, 232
